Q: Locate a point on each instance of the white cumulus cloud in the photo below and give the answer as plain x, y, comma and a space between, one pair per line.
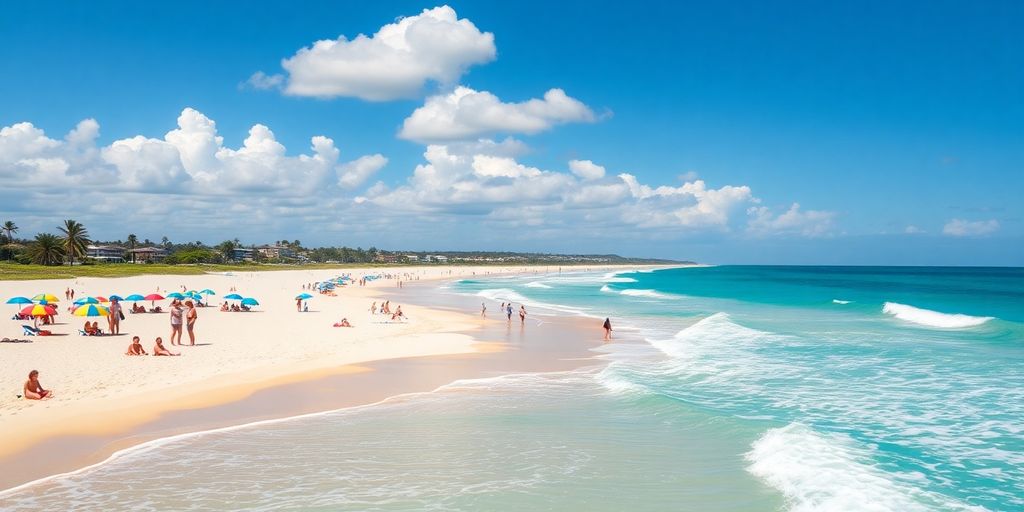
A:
468, 114
796, 221
396, 62
586, 169
356, 172
961, 227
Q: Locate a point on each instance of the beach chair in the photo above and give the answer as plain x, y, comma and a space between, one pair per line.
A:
29, 330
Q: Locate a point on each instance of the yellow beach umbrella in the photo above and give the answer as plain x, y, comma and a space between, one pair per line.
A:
91, 310
47, 297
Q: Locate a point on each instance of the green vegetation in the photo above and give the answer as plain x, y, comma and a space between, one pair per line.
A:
76, 239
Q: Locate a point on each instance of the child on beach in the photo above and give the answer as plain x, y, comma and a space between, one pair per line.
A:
135, 348
160, 350
33, 390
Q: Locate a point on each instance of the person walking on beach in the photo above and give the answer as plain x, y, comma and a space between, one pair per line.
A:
176, 320
190, 321
483, 310
522, 314
373, 308
508, 311
607, 329
298, 305
33, 390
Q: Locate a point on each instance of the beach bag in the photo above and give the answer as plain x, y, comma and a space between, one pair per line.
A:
120, 315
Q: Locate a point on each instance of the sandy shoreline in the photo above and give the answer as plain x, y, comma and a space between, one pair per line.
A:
106, 397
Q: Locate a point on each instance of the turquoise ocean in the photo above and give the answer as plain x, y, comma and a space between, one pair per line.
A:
727, 389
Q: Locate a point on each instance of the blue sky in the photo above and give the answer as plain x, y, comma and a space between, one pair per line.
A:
897, 129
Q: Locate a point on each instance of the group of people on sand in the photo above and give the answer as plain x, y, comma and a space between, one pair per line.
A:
135, 348
234, 308
385, 309
506, 309
183, 314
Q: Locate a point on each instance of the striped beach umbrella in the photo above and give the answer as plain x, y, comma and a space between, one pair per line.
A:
91, 310
39, 310
86, 300
45, 297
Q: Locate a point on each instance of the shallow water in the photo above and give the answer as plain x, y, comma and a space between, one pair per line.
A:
744, 388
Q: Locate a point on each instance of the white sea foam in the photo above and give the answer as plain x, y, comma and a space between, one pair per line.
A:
502, 294
606, 289
644, 293
831, 472
536, 284
839, 301
931, 318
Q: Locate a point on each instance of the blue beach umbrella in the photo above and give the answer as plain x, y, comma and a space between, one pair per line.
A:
175, 295
134, 297
19, 300
208, 292
303, 296
116, 297
86, 300
233, 296
249, 301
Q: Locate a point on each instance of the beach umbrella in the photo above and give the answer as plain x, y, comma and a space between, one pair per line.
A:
303, 296
117, 298
135, 297
39, 310
46, 297
102, 298
233, 296
208, 292
91, 310
153, 296
249, 301
175, 295
86, 300
19, 300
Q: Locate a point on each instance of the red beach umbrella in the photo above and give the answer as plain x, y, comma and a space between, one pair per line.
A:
39, 310
154, 296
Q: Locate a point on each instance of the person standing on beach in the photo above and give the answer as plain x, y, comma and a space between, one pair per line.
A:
298, 305
522, 313
190, 320
483, 310
508, 311
607, 329
115, 316
176, 320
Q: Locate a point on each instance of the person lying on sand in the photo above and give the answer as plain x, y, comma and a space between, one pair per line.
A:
135, 349
160, 350
343, 323
33, 390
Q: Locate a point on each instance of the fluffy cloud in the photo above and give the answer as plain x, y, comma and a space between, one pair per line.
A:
793, 221
190, 159
961, 227
586, 169
262, 81
502, 191
396, 62
468, 114
356, 172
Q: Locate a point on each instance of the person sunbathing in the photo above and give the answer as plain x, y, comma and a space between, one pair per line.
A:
138, 309
160, 350
135, 349
224, 307
343, 323
245, 308
33, 390
88, 329
157, 309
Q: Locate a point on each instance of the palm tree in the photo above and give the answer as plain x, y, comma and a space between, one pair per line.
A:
47, 249
10, 228
132, 242
76, 238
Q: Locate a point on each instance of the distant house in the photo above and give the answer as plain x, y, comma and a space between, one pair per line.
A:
412, 258
276, 252
441, 259
147, 254
109, 253
386, 258
242, 254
